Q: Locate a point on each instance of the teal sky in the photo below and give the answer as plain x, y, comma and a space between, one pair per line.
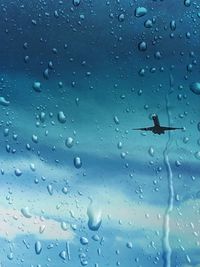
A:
94, 80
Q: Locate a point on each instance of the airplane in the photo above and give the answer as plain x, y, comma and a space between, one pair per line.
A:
157, 129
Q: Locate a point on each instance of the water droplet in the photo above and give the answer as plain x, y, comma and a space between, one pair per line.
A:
18, 172
10, 256
121, 17
116, 120
197, 155
4, 102
61, 117
25, 212
38, 247
140, 11
76, 2
83, 240
198, 126
95, 217
46, 74
148, 23
42, 116
142, 46
84, 262
63, 255
64, 226
187, 3
37, 86
69, 142
195, 88
77, 162
119, 145
129, 245
151, 151
34, 138
173, 25
95, 237
65, 190
42, 228
50, 189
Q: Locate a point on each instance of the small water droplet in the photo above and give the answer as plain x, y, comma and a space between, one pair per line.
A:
151, 151
197, 155
129, 245
116, 120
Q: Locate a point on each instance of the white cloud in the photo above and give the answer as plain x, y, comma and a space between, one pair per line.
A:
13, 223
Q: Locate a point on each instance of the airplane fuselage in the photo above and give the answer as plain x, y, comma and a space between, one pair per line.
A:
158, 130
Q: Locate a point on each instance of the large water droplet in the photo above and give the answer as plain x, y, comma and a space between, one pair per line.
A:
63, 255
195, 88
38, 247
25, 212
76, 2
148, 23
37, 86
4, 102
18, 172
69, 142
42, 116
77, 162
140, 11
50, 189
83, 240
187, 3
61, 117
95, 217
142, 46
173, 25
121, 17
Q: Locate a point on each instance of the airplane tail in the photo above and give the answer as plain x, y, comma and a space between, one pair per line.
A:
156, 120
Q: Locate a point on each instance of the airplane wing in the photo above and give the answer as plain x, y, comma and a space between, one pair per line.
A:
144, 129
170, 128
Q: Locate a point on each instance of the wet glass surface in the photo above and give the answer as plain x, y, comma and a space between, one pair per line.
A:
79, 186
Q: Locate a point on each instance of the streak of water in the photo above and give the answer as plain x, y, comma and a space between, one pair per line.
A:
167, 251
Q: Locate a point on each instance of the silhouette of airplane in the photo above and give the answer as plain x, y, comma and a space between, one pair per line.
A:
157, 129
